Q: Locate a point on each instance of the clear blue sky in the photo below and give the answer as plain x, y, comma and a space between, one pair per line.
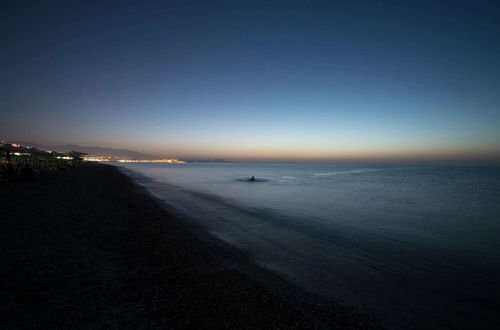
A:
291, 80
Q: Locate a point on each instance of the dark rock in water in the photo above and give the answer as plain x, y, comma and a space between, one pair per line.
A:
252, 179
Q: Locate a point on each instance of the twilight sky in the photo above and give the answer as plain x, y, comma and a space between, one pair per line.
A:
276, 80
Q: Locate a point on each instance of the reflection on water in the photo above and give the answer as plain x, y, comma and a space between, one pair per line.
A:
417, 246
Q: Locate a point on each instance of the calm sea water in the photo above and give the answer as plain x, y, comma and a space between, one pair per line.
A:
418, 247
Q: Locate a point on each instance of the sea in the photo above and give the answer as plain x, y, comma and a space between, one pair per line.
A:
417, 247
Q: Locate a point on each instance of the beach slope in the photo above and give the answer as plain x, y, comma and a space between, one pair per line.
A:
87, 248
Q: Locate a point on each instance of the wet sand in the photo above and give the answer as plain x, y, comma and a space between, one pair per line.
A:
87, 248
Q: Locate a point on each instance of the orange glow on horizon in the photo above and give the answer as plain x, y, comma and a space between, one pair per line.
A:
316, 155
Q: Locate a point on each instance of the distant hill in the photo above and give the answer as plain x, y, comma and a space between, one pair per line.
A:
92, 151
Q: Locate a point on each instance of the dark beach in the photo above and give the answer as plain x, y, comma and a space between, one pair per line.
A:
87, 248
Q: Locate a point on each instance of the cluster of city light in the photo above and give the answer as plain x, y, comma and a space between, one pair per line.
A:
98, 159
114, 159
174, 161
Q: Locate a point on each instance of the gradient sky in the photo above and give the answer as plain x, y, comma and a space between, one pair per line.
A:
276, 80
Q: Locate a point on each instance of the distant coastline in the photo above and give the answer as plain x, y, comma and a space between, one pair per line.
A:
91, 154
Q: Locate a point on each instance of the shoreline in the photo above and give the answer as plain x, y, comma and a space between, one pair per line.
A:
88, 247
